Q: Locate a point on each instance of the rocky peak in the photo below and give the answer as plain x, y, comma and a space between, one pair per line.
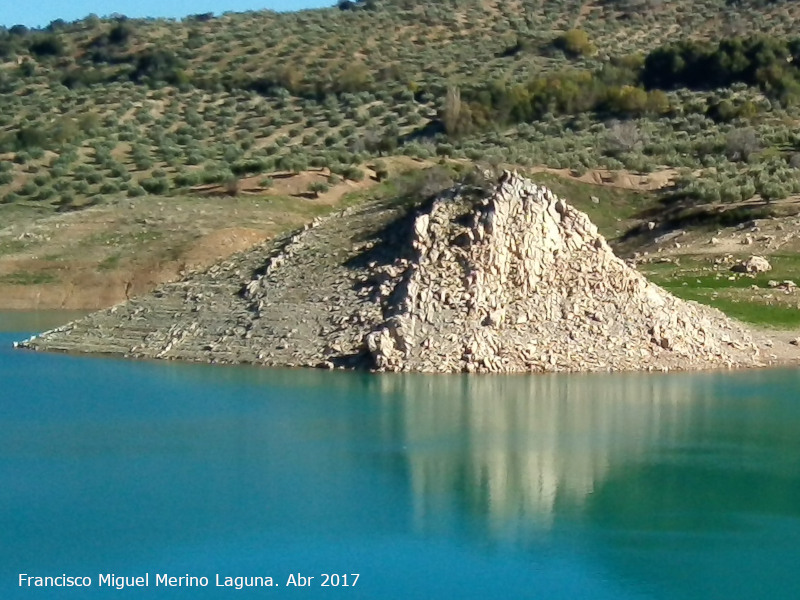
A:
513, 279
528, 284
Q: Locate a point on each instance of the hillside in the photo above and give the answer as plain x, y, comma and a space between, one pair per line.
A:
100, 109
292, 112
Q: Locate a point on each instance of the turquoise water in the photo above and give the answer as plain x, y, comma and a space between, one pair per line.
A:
601, 487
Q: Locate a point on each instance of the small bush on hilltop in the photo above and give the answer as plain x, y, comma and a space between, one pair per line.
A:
574, 43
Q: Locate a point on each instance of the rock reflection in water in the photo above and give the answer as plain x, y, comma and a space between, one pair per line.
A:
519, 449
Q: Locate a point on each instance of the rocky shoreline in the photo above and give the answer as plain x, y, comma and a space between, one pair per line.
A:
506, 280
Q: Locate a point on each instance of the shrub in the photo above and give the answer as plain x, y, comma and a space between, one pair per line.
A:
623, 137
250, 166
94, 177
158, 65
575, 43
318, 187
64, 131
120, 33
142, 163
353, 173
187, 179
80, 186
109, 187
66, 198
741, 144
154, 185
28, 189
381, 170
119, 171
426, 183
45, 45
89, 122
30, 137
45, 193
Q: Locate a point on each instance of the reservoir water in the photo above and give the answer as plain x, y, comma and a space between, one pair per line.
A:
619, 487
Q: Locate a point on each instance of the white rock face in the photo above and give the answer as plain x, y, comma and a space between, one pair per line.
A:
513, 280
754, 264
530, 285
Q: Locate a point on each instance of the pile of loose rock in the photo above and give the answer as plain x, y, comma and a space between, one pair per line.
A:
512, 280
524, 282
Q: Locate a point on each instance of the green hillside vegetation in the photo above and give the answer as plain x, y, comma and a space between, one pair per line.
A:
749, 299
100, 109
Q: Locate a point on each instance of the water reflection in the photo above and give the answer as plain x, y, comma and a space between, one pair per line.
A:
624, 486
643, 454
519, 448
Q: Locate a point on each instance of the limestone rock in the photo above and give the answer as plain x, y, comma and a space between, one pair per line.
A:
537, 272
754, 264
506, 281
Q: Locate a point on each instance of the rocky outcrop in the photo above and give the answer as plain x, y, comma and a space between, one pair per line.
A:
510, 280
754, 264
524, 282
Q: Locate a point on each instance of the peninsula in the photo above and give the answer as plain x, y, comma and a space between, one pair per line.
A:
503, 277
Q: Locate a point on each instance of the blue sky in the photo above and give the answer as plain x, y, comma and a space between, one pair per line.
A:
36, 14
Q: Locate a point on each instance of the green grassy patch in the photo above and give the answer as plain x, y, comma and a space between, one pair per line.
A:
615, 206
25, 278
11, 246
693, 272
110, 262
748, 311
730, 293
